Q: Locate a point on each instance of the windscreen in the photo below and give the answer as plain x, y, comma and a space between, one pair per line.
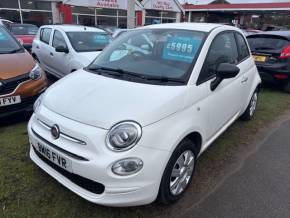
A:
153, 53
24, 30
7, 43
88, 41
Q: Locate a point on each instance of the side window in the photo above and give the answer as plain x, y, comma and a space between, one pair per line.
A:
58, 40
45, 35
243, 47
222, 50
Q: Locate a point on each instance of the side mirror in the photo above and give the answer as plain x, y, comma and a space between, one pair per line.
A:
224, 71
62, 49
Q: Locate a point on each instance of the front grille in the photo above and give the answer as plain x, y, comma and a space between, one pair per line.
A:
85, 183
26, 104
9, 85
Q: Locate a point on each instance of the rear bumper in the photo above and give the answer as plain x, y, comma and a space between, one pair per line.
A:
269, 73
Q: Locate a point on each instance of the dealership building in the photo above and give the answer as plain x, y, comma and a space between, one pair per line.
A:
251, 15
91, 12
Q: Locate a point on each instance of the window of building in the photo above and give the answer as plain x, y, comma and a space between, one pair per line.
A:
37, 18
83, 10
12, 15
35, 5
86, 20
106, 11
9, 4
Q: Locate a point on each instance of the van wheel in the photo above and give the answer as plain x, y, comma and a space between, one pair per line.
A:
251, 109
287, 88
178, 173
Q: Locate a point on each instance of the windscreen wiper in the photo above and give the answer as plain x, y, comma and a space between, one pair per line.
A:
117, 72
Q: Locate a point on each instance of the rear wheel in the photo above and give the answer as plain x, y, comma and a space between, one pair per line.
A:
251, 109
178, 173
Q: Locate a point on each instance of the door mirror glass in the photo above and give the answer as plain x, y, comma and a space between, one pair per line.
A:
62, 49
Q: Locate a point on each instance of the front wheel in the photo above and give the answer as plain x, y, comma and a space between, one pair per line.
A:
178, 173
251, 109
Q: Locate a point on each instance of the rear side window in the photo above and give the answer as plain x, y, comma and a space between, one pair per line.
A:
261, 42
45, 35
58, 40
242, 47
222, 50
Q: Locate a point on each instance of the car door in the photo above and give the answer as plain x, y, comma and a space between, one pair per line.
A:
224, 102
60, 60
42, 47
247, 66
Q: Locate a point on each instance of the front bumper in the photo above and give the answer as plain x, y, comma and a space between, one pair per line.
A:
138, 189
29, 91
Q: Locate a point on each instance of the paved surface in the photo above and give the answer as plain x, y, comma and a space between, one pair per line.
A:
260, 187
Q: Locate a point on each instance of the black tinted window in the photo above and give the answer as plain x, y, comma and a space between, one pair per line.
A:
260, 42
45, 35
223, 50
243, 47
88, 41
58, 40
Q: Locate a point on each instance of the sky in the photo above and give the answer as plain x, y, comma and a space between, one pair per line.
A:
232, 1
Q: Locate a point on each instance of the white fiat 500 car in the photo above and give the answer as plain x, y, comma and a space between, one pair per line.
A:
129, 128
62, 49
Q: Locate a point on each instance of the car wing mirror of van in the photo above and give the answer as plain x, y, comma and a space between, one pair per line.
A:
62, 49
224, 71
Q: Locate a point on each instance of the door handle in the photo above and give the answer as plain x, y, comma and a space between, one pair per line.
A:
245, 79
37, 47
51, 54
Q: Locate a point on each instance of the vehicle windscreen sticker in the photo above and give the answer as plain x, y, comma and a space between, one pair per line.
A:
3, 37
101, 39
181, 48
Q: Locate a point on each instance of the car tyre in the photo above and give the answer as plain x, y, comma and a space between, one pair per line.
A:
250, 111
178, 173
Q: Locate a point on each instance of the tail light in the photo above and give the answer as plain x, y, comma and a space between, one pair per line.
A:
281, 76
285, 53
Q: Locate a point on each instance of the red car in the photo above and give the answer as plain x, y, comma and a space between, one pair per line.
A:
25, 33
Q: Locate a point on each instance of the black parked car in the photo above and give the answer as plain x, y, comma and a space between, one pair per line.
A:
271, 51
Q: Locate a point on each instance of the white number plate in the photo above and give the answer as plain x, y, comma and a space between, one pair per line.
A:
10, 100
54, 157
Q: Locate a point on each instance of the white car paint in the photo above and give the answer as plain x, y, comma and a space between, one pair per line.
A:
57, 63
86, 106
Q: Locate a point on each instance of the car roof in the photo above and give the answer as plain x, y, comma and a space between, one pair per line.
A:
74, 28
203, 27
282, 33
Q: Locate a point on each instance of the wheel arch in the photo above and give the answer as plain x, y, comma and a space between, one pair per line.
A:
197, 139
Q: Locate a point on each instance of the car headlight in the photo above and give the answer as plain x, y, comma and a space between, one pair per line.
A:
37, 103
128, 166
123, 136
35, 73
